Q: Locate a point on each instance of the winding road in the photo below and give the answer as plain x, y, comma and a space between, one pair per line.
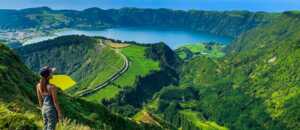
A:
111, 79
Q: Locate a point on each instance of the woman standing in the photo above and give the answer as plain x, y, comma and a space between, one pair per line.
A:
48, 100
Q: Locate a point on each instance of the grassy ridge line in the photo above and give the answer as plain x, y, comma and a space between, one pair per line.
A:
107, 64
229, 23
111, 79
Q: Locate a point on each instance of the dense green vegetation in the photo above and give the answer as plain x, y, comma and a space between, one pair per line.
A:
177, 105
255, 86
229, 23
19, 110
17, 93
89, 61
189, 51
139, 66
96, 61
97, 116
273, 76
148, 63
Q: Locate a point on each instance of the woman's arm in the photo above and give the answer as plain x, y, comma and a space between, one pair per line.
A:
39, 95
55, 101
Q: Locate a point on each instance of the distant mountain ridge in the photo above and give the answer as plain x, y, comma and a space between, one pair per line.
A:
227, 23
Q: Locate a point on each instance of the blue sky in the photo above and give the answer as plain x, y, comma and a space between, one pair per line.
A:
253, 5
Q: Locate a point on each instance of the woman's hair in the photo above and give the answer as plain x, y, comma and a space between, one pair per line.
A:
45, 73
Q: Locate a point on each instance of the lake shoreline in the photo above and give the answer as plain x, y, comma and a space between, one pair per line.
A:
173, 37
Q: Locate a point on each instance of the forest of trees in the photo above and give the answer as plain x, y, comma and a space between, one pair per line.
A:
255, 86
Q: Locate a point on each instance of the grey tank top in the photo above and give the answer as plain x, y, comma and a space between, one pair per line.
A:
47, 98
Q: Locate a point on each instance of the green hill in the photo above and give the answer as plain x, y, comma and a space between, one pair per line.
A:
18, 97
140, 65
255, 86
148, 63
18, 108
88, 61
17, 93
229, 23
92, 60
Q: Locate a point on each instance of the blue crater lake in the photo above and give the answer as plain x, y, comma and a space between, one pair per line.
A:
172, 37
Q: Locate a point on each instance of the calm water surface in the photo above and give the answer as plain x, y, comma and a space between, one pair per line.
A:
173, 37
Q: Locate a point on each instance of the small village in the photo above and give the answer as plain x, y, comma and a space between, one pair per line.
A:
20, 35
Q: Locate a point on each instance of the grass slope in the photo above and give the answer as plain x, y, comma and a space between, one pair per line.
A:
89, 61
145, 116
140, 65
203, 125
189, 51
109, 63
17, 110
